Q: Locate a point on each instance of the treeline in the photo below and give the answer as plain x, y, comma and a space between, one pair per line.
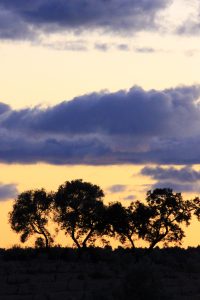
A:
77, 208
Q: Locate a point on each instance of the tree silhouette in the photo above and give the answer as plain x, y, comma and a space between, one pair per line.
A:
30, 216
128, 223
80, 211
119, 223
167, 211
196, 207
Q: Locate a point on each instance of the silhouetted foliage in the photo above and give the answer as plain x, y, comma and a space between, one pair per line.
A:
78, 208
196, 207
30, 216
39, 243
119, 223
128, 223
80, 211
168, 212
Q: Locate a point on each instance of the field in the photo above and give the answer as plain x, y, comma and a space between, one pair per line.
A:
99, 274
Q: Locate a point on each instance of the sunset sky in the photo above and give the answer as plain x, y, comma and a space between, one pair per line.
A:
103, 90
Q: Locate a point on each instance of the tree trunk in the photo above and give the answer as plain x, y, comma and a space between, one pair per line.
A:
41, 231
75, 240
46, 240
45, 237
84, 244
132, 243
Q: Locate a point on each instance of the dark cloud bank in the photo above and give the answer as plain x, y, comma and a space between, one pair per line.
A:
24, 19
134, 126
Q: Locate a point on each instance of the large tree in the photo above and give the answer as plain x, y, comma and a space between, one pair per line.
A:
30, 216
80, 211
168, 212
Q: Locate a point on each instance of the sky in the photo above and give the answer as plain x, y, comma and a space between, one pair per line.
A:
103, 90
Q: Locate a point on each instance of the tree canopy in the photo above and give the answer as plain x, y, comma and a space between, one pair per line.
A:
128, 223
30, 216
80, 211
168, 212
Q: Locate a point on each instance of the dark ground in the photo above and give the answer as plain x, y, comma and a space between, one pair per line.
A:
34, 274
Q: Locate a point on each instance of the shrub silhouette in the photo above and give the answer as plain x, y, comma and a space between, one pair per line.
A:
30, 215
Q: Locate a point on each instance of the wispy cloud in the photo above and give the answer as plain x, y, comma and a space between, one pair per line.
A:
145, 50
7, 191
102, 46
73, 45
185, 174
117, 188
129, 197
185, 179
190, 26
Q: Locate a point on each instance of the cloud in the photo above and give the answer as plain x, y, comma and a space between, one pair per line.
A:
130, 197
190, 26
77, 45
135, 112
185, 179
22, 149
21, 19
145, 50
117, 188
134, 126
185, 174
7, 191
102, 46
123, 47
178, 187
109, 46
4, 108
13, 27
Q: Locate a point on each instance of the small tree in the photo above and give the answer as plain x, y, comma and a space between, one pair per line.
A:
80, 211
168, 211
30, 216
129, 223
